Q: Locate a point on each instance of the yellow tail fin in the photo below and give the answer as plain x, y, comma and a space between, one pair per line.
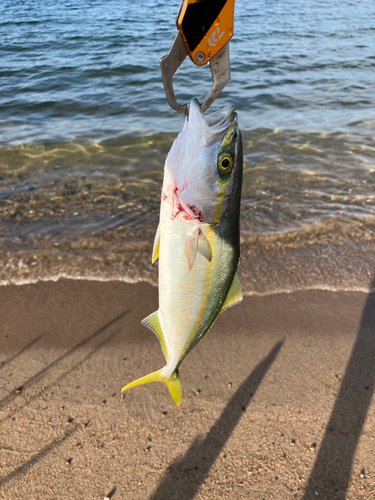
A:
172, 382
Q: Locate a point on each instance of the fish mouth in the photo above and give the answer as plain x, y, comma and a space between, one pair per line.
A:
215, 124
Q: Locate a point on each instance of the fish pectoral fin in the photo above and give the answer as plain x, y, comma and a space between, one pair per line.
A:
204, 247
172, 382
156, 247
153, 323
191, 247
234, 295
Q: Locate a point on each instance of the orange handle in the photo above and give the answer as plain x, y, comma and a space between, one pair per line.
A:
206, 26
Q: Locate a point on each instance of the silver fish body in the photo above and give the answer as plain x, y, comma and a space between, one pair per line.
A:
197, 241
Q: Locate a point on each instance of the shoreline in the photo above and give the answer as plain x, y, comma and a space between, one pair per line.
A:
282, 291
277, 397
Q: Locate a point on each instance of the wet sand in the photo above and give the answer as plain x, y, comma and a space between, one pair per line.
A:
277, 398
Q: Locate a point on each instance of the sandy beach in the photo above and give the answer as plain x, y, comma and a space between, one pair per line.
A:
277, 398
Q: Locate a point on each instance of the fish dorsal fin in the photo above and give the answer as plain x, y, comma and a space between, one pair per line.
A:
153, 323
191, 247
155, 250
204, 247
234, 295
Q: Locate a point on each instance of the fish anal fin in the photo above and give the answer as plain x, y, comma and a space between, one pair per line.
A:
171, 381
204, 247
191, 247
156, 247
153, 323
234, 295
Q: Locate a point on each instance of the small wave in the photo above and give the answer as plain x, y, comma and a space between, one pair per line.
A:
327, 288
132, 281
265, 268
67, 276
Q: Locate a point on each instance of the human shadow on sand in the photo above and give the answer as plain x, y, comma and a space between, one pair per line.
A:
39, 375
6, 362
185, 475
28, 464
333, 466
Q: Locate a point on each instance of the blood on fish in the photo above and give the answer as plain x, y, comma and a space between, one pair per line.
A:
179, 211
198, 214
195, 215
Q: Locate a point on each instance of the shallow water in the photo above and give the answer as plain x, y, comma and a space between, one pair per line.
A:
85, 130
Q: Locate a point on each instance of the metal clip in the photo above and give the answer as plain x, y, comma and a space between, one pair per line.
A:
220, 70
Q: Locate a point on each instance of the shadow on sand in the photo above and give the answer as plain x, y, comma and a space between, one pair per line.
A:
184, 477
333, 466
3, 364
26, 466
38, 376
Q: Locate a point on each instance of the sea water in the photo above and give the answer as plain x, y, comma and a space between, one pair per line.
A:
85, 129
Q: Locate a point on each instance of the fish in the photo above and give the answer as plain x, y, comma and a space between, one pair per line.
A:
198, 237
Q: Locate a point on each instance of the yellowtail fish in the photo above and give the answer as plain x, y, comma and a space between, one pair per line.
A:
197, 241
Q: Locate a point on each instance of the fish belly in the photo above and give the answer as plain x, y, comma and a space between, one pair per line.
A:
181, 292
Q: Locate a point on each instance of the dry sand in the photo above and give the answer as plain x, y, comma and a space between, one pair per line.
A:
277, 398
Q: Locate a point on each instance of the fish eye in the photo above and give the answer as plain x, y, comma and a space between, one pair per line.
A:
225, 163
